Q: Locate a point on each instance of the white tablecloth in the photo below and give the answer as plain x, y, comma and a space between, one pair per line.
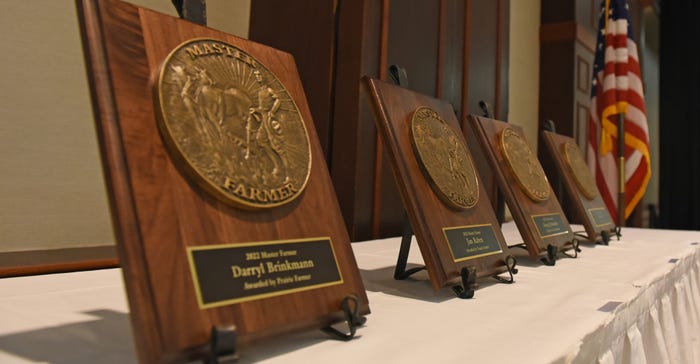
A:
635, 301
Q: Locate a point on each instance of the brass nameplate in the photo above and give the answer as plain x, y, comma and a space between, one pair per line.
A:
549, 225
578, 167
444, 159
524, 165
231, 125
233, 273
600, 216
470, 242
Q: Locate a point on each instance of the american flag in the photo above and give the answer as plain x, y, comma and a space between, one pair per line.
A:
617, 89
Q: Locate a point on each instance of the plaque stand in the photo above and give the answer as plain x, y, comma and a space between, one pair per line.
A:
458, 243
177, 239
579, 186
222, 345
468, 274
353, 319
545, 230
465, 272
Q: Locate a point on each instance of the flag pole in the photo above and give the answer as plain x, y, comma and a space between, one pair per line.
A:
621, 170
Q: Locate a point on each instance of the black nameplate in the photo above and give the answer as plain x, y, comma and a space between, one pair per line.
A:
600, 216
233, 273
469, 242
550, 225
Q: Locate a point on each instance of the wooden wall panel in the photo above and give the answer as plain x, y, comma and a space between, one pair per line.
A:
302, 27
452, 49
452, 70
354, 136
410, 46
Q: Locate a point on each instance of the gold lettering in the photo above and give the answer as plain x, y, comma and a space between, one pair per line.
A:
207, 49
240, 190
217, 48
228, 183
300, 278
260, 195
194, 51
251, 271
256, 194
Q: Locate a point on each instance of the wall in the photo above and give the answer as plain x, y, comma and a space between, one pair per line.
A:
52, 190
524, 72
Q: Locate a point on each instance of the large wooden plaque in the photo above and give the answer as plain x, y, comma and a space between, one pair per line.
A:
191, 258
588, 206
531, 201
447, 204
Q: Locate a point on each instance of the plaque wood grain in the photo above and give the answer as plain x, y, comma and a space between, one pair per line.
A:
158, 212
428, 215
581, 205
520, 205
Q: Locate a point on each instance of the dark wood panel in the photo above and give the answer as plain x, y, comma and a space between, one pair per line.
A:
354, 134
310, 38
455, 49
483, 51
413, 42
557, 85
553, 11
453, 59
413, 48
483, 69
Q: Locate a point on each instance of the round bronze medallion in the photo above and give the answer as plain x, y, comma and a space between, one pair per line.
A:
524, 165
579, 168
444, 159
231, 124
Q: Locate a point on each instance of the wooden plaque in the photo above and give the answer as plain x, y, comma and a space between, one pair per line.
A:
449, 236
587, 205
536, 211
191, 260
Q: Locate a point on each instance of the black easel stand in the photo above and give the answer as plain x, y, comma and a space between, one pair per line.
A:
350, 306
604, 236
553, 251
222, 345
400, 272
467, 274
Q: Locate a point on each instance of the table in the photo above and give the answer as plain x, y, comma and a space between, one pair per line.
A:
634, 301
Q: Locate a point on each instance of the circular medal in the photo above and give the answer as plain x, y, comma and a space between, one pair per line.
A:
231, 124
524, 165
579, 168
444, 160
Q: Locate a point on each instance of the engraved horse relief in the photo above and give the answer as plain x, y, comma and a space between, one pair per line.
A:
447, 163
238, 120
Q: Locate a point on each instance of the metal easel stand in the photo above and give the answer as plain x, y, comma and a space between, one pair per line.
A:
605, 236
468, 275
222, 344
553, 251
350, 306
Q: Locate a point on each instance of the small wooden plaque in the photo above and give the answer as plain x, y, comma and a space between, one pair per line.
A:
191, 260
449, 237
540, 220
588, 205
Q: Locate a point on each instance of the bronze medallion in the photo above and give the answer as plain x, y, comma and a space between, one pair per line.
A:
524, 165
232, 125
444, 159
579, 168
